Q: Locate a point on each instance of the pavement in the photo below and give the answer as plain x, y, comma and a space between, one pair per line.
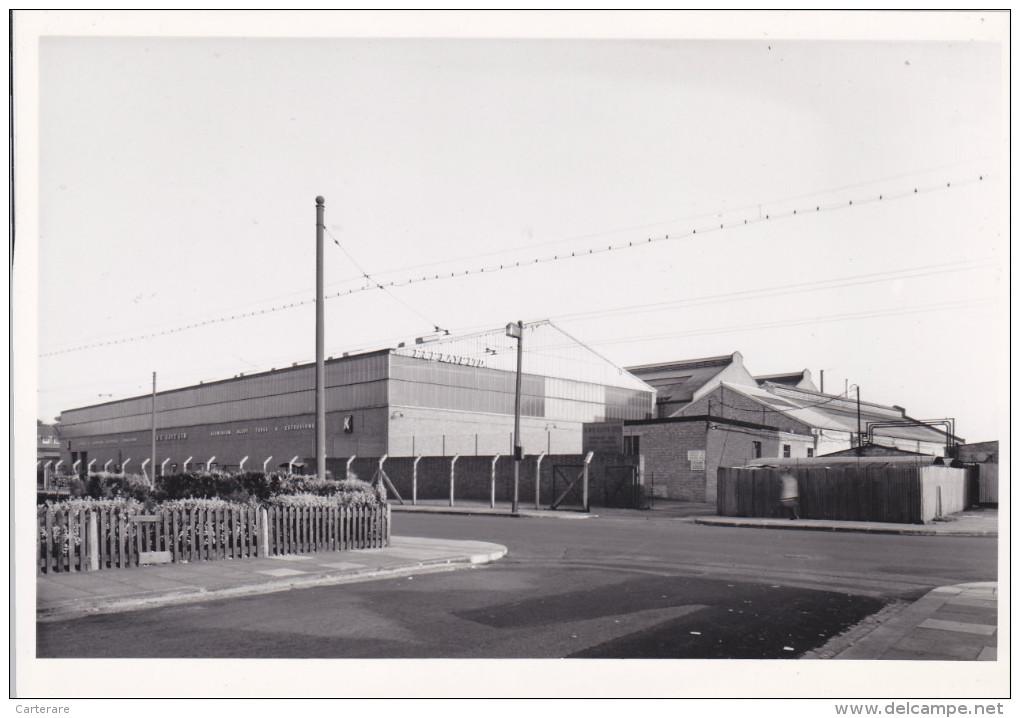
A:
949, 623
60, 596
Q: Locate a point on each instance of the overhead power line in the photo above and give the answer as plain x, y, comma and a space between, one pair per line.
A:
688, 234
369, 278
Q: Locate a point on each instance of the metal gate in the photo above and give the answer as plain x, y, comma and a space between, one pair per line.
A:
621, 487
570, 482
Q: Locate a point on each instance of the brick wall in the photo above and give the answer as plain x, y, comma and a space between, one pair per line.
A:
672, 472
667, 468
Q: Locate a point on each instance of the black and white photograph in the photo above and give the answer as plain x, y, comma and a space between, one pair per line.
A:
511, 354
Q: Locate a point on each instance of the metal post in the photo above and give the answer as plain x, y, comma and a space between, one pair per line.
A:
538, 474
208, 464
860, 438
186, 462
106, 466
162, 467
146, 473
453, 464
153, 424
492, 483
290, 464
414, 481
88, 469
349, 462
46, 475
320, 330
517, 331
123, 466
240, 468
266, 463
584, 491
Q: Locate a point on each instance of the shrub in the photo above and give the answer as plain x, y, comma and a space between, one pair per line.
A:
343, 499
61, 539
188, 504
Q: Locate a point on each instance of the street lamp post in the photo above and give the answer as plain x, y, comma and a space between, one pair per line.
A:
516, 330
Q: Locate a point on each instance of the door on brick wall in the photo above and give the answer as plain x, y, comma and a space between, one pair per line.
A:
621, 487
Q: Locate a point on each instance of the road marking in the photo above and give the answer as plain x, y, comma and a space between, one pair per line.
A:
976, 628
343, 565
281, 572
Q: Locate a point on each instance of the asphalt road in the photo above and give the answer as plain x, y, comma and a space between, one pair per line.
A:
619, 587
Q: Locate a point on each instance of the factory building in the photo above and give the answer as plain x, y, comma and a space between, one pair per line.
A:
712, 412
442, 397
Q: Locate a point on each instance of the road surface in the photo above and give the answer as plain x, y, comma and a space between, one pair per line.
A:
626, 586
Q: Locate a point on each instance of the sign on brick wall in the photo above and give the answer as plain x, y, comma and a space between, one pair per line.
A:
603, 438
697, 459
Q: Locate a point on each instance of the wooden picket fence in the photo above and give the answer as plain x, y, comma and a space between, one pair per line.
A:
98, 539
308, 530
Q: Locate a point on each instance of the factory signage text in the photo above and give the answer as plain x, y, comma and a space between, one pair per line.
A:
447, 358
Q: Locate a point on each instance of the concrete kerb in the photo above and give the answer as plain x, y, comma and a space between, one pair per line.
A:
502, 513
859, 527
97, 606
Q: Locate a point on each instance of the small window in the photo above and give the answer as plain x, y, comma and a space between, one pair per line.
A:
756, 449
810, 453
786, 451
632, 445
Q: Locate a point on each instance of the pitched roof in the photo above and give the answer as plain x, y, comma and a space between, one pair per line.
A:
678, 381
838, 413
800, 378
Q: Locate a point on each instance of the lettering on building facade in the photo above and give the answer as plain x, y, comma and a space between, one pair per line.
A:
447, 358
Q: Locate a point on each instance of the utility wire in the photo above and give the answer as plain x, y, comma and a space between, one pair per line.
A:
689, 234
375, 283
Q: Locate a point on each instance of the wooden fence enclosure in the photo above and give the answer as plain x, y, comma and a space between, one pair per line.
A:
894, 493
105, 538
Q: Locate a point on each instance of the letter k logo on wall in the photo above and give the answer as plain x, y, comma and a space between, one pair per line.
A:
348, 424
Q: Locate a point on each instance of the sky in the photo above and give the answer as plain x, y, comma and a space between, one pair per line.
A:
177, 173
